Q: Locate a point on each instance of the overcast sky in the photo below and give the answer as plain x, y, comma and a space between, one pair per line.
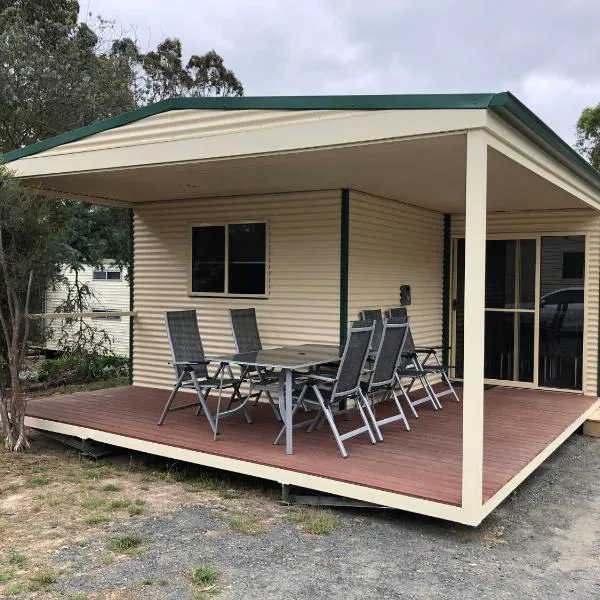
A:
547, 52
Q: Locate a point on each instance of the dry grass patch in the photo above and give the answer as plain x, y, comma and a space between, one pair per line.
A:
317, 521
131, 543
245, 524
52, 498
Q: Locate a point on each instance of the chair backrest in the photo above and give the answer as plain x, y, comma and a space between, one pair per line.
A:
185, 341
354, 358
397, 311
375, 315
245, 329
409, 345
389, 353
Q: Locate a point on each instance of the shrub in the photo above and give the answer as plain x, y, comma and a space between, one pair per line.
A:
83, 368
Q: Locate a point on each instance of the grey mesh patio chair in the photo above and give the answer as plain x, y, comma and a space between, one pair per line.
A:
375, 315
326, 392
247, 339
429, 359
191, 371
382, 381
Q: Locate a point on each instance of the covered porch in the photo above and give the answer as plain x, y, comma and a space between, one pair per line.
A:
418, 471
356, 196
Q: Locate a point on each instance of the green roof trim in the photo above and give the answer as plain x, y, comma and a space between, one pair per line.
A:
507, 106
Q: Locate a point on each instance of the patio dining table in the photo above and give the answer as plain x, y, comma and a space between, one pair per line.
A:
288, 359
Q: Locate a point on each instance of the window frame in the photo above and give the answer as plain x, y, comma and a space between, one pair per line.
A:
226, 225
107, 270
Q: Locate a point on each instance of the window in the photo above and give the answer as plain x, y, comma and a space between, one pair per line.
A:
107, 317
573, 265
106, 275
229, 259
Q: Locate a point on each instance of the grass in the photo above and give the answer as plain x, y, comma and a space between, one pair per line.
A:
111, 487
77, 596
14, 589
125, 544
245, 524
117, 504
40, 480
16, 558
313, 520
205, 575
98, 519
41, 579
6, 576
135, 510
93, 503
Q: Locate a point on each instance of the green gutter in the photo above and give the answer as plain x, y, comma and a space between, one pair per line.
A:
446, 288
513, 111
344, 252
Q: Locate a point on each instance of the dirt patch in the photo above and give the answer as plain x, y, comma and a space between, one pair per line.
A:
52, 499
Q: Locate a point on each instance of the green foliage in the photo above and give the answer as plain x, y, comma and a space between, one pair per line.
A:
161, 73
125, 544
83, 368
205, 575
42, 578
16, 558
588, 135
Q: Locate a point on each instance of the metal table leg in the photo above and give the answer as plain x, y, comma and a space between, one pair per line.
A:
288, 411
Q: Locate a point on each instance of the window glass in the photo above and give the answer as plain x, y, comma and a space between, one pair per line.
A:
573, 265
247, 254
208, 259
103, 275
236, 252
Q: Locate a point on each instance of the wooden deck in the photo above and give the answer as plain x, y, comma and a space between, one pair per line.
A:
424, 463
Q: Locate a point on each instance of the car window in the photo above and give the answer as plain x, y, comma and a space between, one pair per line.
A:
572, 296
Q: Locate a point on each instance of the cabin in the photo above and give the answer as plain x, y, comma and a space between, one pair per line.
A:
310, 209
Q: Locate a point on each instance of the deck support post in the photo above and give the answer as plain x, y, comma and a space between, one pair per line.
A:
473, 399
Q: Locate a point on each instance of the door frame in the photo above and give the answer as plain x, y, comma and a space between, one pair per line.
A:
536, 334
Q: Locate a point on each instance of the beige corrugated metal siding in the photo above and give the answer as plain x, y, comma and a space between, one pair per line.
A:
304, 274
393, 244
186, 124
553, 222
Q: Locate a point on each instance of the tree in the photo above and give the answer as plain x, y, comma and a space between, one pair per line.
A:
57, 74
29, 247
161, 74
588, 135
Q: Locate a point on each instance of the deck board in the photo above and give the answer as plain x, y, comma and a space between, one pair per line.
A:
424, 463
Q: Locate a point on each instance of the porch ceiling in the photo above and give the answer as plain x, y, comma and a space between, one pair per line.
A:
427, 172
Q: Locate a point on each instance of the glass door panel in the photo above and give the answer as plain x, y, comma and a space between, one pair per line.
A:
562, 280
509, 309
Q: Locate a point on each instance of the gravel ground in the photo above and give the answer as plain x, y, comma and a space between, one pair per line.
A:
543, 542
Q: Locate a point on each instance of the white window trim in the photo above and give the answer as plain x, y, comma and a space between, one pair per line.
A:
108, 270
226, 224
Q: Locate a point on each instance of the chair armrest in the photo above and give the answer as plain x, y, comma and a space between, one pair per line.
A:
432, 348
322, 378
190, 362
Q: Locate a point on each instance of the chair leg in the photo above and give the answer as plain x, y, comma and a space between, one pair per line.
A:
273, 406
282, 431
202, 393
372, 429
375, 434
329, 416
406, 396
171, 398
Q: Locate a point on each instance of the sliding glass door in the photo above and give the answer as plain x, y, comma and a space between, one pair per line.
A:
562, 280
533, 310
